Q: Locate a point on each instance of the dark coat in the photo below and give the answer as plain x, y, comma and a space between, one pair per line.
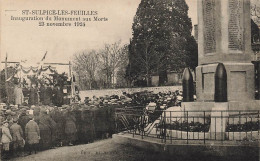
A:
16, 132
47, 96
101, 120
32, 132
42, 94
33, 99
26, 92
47, 127
59, 119
23, 120
58, 97
88, 128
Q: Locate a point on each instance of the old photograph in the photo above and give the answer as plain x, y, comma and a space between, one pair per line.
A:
129, 80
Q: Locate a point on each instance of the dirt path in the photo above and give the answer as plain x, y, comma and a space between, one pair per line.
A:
105, 150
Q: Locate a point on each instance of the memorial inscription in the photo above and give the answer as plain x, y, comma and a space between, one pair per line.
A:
209, 27
235, 26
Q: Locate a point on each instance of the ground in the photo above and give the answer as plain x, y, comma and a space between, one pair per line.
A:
108, 150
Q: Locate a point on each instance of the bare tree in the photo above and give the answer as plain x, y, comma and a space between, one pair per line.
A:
111, 59
150, 61
86, 66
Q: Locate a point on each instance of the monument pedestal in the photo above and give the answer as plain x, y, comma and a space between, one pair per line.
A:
240, 81
232, 105
219, 117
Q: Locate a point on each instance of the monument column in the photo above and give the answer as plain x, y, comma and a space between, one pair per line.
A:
225, 37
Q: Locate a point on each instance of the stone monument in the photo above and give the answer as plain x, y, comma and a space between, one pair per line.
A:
225, 37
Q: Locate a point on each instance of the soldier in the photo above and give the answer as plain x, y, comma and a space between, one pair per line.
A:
46, 125
58, 117
17, 134
32, 134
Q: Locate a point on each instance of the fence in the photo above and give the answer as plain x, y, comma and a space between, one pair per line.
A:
240, 125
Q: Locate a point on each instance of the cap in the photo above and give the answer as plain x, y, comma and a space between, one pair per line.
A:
30, 116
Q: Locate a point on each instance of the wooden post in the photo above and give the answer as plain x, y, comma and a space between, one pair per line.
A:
72, 87
6, 84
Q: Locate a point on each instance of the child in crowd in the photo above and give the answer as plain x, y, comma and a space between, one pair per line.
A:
6, 139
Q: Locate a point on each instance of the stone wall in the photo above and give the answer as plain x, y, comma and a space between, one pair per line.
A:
119, 92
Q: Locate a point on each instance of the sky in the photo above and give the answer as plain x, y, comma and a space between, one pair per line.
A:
28, 41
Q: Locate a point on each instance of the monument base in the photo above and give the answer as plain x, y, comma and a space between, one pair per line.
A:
219, 117
240, 81
232, 105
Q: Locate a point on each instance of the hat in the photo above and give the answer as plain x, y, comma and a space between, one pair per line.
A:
8, 112
30, 116
15, 119
43, 110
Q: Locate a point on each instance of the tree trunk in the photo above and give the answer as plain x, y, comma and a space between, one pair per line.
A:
163, 77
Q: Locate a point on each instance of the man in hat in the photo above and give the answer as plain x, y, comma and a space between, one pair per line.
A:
17, 134
32, 135
23, 119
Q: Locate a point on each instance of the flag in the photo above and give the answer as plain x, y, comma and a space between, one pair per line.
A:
41, 64
44, 56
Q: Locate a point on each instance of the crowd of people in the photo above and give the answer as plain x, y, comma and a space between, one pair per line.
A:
37, 93
28, 128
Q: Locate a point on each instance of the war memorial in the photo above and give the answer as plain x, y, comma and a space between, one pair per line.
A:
104, 108
224, 118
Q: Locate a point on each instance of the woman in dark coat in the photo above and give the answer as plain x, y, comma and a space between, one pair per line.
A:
70, 127
46, 125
